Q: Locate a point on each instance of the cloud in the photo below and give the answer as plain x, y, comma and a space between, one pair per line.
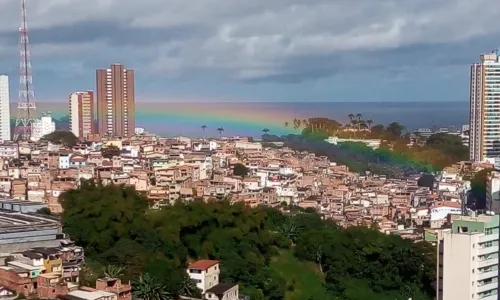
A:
254, 41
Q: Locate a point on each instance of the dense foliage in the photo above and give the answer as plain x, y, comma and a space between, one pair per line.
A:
395, 156
240, 169
154, 247
65, 138
358, 156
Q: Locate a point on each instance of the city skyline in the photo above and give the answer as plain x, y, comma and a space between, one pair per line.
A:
236, 51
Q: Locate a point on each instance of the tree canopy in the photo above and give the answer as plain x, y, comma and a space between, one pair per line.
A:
65, 138
240, 169
116, 228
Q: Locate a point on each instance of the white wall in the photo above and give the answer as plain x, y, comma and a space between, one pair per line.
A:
74, 123
4, 109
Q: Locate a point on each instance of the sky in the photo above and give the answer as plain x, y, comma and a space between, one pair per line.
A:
258, 50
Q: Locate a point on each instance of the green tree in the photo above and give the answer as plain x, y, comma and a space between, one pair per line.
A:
112, 271
220, 130
150, 288
98, 217
395, 130
65, 138
240, 169
44, 211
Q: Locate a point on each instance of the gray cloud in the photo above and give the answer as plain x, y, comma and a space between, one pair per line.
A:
254, 41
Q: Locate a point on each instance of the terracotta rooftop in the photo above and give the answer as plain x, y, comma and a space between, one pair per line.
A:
203, 264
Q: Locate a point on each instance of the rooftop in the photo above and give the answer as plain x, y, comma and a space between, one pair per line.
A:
11, 221
203, 264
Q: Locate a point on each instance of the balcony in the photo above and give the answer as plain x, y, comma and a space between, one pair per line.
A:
487, 262
486, 250
488, 274
489, 238
487, 287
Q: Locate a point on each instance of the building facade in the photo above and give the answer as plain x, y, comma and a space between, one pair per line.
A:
468, 259
42, 127
115, 101
204, 273
484, 139
4, 109
81, 114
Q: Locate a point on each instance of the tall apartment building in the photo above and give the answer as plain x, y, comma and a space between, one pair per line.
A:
484, 140
81, 114
115, 101
467, 266
41, 127
4, 109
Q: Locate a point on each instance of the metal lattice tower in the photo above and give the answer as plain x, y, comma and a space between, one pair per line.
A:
26, 106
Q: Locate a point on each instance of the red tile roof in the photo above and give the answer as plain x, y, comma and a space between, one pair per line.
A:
203, 264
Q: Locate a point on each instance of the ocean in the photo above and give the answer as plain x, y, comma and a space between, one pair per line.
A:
249, 118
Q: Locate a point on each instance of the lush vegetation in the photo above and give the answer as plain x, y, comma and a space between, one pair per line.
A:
396, 156
240, 169
65, 138
116, 228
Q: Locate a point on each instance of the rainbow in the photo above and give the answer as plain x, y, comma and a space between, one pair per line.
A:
172, 119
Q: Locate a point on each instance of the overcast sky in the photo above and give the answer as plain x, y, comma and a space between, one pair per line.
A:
256, 50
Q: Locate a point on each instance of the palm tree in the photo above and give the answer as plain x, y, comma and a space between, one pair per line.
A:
359, 116
189, 288
265, 130
149, 288
203, 127
286, 124
351, 116
220, 130
111, 271
290, 230
369, 122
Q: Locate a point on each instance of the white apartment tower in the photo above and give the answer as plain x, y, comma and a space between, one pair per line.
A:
468, 259
484, 143
81, 114
4, 109
41, 127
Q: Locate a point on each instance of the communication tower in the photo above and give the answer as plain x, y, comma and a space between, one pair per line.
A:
26, 106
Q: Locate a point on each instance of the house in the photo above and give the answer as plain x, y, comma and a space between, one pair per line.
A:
205, 273
223, 291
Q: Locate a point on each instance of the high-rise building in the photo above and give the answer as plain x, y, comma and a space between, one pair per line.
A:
4, 109
115, 101
42, 127
467, 266
81, 114
484, 139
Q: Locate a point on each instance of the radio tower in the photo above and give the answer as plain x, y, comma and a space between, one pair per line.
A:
26, 106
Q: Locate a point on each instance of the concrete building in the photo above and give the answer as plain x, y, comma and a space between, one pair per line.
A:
42, 127
468, 259
493, 192
81, 114
484, 140
4, 109
115, 101
204, 273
